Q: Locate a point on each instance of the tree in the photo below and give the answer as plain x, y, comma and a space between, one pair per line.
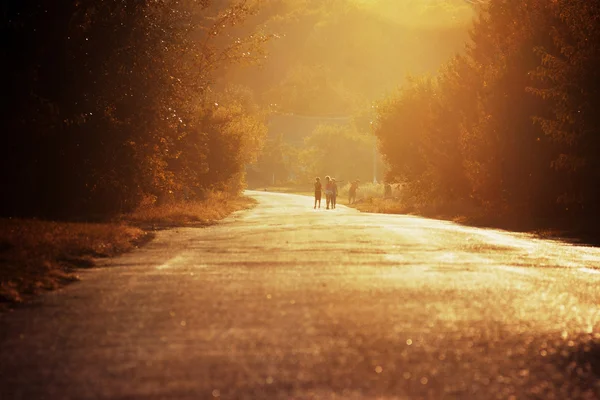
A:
402, 129
506, 157
340, 151
568, 80
468, 133
335, 57
277, 163
109, 94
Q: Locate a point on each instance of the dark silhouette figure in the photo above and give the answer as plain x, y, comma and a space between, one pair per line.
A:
334, 192
318, 187
352, 192
387, 191
328, 191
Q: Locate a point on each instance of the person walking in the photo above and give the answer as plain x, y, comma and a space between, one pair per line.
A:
328, 191
334, 192
352, 192
318, 187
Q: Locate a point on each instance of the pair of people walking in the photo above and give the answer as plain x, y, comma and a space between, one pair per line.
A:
331, 191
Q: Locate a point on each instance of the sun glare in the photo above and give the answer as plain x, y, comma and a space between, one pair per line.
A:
423, 13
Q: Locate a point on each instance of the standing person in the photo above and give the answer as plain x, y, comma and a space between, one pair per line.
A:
318, 187
387, 191
328, 191
334, 191
352, 192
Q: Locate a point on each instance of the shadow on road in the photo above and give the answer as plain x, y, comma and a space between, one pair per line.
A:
428, 367
580, 359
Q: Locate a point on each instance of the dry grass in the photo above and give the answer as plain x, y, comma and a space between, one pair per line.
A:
213, 208
304, 189
380, 205
44, 255
454, 211
366, 191
465, 214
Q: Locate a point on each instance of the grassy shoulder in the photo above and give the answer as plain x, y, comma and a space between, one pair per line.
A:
37, 256
215, 207
305, 189
469, 215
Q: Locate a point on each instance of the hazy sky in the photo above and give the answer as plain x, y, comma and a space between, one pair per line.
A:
420, 13
334, 56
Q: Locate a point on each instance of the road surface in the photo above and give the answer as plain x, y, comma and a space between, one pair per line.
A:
286, 302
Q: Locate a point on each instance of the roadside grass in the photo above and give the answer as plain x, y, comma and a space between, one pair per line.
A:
470, 215
44, 255
303, 189
380, 206
458, 211
37, 255
214, 207
367, 192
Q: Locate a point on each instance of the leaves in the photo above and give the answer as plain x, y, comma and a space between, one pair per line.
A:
338, 150
118, 106
510, 123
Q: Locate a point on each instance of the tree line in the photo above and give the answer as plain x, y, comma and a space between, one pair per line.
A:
342, 151
335, 57
114, 102
509, 126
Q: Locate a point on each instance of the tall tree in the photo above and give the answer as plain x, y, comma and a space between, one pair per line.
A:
104, 95
568, 80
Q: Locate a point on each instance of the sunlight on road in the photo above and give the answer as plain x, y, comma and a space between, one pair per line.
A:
178, 260
283, 302
491, 246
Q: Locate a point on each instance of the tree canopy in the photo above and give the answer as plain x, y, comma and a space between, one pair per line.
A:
508, 125
112, 101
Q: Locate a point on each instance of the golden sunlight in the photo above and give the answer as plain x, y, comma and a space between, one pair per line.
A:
422, 13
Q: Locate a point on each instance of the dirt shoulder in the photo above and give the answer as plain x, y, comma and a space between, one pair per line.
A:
36, 256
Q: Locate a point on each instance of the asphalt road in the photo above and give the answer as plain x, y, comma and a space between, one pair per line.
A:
286, 302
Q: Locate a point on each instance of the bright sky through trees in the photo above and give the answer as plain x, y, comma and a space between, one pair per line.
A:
420, 12
337, 57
